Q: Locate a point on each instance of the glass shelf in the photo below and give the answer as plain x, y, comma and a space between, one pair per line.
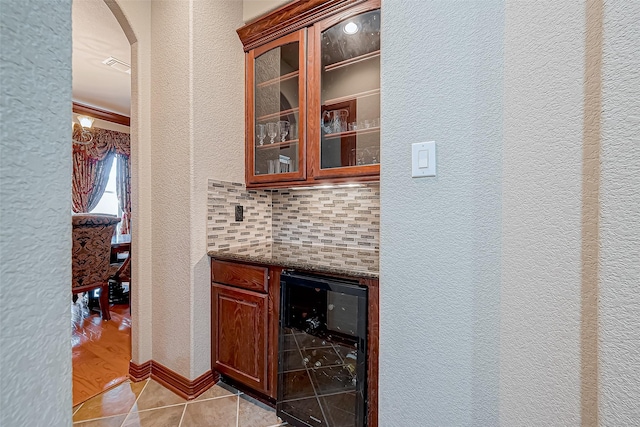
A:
278, 144
352, 132
355, 96
280, 79
277, 114
354, 60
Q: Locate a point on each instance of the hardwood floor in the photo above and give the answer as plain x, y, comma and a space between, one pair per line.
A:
101, 350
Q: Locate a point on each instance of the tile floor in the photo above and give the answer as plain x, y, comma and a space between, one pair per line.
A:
147, 403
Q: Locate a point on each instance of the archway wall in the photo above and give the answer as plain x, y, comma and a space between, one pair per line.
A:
35, 205
197, 116
182, 135
134, 17
186, 128
218, 143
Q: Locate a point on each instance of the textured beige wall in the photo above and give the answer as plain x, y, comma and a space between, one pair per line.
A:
195, 137
134, 17
440, 236
557, 204
197, 130
218, 143
252, 9
35, 207
619, 284
541, 213
171, 122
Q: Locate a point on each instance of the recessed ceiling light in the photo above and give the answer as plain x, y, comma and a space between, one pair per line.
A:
351, 28
117, 64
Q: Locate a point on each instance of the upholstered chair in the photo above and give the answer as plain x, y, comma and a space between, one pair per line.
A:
91, 267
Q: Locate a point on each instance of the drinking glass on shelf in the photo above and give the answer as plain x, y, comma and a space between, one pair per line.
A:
272, 131
328, 121
340, 120
293, 131
283, 129
261, 132
375, 156
274, 166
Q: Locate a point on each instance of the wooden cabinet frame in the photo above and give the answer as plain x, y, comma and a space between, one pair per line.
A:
250, 112
301, 21
315, 105
266, 310
257, 289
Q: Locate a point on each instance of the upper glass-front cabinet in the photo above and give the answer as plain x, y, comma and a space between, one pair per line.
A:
313, 95
276, 126
345, 112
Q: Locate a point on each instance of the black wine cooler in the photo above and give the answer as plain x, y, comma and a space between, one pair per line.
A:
322, 369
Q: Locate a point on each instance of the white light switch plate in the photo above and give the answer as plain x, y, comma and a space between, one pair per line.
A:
423, 159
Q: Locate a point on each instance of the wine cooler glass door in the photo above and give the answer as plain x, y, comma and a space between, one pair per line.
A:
322, 353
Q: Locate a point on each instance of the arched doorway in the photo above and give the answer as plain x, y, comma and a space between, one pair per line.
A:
114, 8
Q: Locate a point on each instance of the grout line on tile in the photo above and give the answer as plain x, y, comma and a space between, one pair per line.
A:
238, 411
79, 406
136, 402
212, 398
184, 411
99, 418
161, 407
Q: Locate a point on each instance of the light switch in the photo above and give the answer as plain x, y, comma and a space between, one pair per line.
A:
423, 159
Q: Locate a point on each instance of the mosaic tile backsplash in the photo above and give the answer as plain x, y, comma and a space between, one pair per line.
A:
341, 217
223, 230
338, 217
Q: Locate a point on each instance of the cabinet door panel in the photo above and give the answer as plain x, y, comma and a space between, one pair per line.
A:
344, 105
240, 335
276, 110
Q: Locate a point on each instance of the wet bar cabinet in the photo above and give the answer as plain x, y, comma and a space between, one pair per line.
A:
313, 94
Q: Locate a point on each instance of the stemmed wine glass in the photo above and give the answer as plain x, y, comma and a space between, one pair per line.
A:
261, 133
283, 128
272, 131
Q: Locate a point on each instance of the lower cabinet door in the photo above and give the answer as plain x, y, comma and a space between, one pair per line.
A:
239, 335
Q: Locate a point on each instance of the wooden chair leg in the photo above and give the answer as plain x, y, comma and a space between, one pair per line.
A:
104, 302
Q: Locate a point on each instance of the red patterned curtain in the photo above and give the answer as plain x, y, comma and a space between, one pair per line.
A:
91, 169
123, 188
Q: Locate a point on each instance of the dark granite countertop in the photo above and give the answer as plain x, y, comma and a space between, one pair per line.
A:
354, 262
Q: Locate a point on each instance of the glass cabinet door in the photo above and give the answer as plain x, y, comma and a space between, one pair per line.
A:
276, 134
347, 107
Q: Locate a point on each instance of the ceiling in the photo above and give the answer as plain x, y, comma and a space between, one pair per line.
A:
97, 35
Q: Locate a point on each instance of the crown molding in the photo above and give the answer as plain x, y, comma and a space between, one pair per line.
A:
101, 114
289, 18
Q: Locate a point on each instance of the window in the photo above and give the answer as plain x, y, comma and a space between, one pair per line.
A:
108, 204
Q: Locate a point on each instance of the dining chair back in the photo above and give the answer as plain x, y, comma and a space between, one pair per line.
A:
90, 255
